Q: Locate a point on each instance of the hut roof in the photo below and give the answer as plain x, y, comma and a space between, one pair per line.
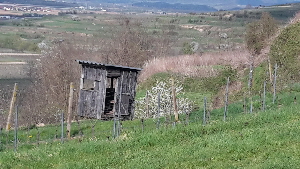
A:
96, 64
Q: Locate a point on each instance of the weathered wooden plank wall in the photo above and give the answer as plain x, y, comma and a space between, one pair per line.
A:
126, 93
93, 91
92, 102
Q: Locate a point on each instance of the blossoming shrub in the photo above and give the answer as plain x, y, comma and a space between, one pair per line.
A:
161, 93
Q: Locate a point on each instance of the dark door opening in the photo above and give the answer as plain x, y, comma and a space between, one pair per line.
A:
110, 98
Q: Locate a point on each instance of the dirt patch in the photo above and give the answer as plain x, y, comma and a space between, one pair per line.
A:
200, 28
13, 70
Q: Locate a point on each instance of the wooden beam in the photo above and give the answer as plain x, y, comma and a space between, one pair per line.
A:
69, 120
12, 104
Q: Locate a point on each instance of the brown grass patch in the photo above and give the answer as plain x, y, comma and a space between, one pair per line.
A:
296, 18
196, 65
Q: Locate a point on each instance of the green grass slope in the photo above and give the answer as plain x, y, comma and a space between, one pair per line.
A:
261, 140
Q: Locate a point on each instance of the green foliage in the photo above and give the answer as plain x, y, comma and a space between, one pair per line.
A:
193, 88
258, 33
193, 20
285, 51
187, 48
17, 43
253, 38
269, 25
213, 84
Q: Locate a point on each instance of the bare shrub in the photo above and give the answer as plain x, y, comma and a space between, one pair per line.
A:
48, 94
131, 45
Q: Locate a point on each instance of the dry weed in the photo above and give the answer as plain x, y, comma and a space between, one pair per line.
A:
296, 18
196, 65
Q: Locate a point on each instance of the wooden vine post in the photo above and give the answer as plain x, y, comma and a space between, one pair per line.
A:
274, 83
12, 105
69, 120
226, 100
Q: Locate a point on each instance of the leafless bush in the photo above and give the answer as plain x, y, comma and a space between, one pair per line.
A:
133, 46
52, 75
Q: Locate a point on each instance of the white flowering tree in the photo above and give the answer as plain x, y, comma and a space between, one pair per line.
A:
147, 107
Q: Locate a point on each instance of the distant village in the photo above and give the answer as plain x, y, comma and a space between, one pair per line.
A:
23, 8
13, 11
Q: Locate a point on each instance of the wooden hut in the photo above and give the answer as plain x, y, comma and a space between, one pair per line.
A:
107, 91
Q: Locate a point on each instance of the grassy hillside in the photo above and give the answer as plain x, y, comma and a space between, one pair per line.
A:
267, 139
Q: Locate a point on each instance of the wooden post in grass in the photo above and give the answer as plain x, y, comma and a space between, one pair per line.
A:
204, 111
250, 85
147, 104
245, 105
16, 130
143, 124
158, 110
1, 136
12, 103
274, 83
187, 113
115, 128
270, 69
69, 120
226, 100
264, 97
62, 127
174, 101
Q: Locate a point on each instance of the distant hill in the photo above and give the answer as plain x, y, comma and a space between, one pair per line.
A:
178, 7
39, 2
265, 2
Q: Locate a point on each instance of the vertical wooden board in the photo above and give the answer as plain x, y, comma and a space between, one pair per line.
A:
90, 73
118, 94
127, 81
99, 74
84, 102
124, 94
85, 71
115, 107
80, 103
98, 106
88, 104
124, 82
103, 90
81, 77
97, 86
93, 104
130, 82
133, 91
94, 73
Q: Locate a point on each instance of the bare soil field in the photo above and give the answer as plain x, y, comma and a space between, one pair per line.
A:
14, 70
15, 65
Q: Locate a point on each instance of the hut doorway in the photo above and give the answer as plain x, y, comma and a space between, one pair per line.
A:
110, 97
